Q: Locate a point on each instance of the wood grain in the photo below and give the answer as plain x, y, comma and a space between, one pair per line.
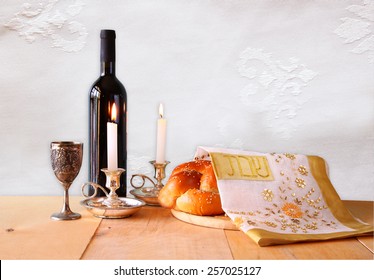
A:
243, 247
27, 232
364, 210
153, 233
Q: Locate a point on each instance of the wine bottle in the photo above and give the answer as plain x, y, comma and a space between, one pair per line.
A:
108, 104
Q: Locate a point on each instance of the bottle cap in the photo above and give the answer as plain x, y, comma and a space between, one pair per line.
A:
108, 45
107, 34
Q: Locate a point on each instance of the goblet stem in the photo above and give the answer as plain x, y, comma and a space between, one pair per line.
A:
66, 213
65, 206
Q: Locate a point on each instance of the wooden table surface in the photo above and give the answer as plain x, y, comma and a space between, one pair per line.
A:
152, 233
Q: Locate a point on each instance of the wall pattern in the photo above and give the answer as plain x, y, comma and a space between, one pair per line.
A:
358, 28
53, 20
271, 76
280, 85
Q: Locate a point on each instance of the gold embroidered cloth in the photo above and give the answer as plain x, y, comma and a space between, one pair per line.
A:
280, 198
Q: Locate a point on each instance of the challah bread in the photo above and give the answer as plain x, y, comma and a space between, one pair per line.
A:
192, 188
198, 202
177, 185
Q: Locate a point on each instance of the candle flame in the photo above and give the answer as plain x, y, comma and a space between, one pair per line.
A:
114, 113
161, 110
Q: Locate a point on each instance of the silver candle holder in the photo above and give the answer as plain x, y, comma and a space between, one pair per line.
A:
150, 194
110, 206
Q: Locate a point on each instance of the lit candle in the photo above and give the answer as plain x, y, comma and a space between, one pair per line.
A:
161, 136
112, 140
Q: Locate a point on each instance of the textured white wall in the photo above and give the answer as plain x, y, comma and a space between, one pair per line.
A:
270, 76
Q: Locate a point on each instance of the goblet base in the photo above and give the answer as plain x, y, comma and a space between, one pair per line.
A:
65, 216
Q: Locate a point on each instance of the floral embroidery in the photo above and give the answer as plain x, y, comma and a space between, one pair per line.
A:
302, 170
292, 210
238, 221
290, 207
290, 156
300, 182
267, 195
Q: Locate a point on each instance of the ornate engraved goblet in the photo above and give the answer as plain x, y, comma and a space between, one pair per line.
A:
66, 159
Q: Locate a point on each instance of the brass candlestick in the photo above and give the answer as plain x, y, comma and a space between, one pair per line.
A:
111, 206
112, 183
150, 194
159, 173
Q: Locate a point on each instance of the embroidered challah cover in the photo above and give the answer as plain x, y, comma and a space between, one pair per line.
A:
280, 198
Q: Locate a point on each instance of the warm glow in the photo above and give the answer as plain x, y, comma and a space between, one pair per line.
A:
161, 110
114, 113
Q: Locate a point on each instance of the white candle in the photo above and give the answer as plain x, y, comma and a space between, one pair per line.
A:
161, 137
112, 140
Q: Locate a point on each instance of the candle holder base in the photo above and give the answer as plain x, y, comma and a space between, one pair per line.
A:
149, 194
110, 206
97, 208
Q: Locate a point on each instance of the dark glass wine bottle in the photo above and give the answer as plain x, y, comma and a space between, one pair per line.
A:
105, 93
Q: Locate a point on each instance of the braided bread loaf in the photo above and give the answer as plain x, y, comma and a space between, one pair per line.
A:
192, 188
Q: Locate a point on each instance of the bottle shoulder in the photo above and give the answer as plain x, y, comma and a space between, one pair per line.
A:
108, 84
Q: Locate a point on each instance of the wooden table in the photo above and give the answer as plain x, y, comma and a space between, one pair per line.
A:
152, 233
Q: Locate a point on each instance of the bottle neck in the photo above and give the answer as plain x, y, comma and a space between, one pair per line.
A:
108, 68
108, 52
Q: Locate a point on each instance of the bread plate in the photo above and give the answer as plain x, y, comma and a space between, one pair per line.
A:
219, 222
